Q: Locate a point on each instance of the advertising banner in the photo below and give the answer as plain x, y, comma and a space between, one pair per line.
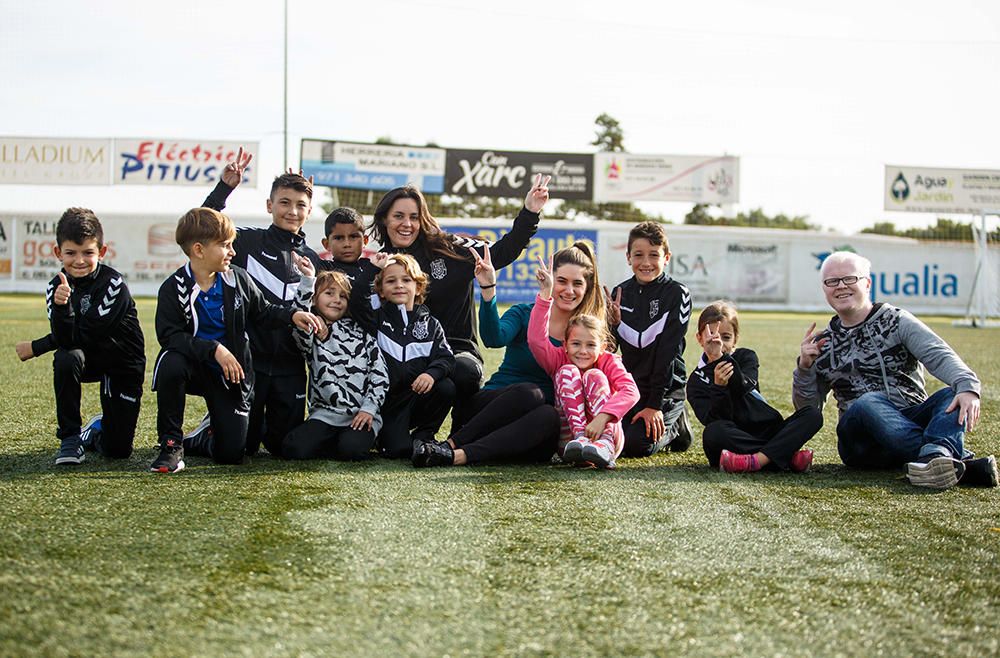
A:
55, 161
509, 173
154, 161
922, 189
687, 178
6, 238
516, 283
372, 166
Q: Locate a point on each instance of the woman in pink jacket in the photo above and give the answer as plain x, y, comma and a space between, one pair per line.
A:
593, 389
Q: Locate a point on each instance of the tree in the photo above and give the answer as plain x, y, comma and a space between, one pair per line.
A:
755, 218
609, 137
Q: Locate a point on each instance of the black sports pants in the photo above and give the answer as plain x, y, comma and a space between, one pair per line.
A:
779, 442
315, 439
509, 424
404, 410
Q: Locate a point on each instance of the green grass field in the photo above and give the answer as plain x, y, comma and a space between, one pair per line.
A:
662, 556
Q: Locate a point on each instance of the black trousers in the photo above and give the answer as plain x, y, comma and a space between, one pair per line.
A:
509, 424
314, 439
468, 380
779, 442
405, 410
121, 395
176, 377
637, 444
279, 406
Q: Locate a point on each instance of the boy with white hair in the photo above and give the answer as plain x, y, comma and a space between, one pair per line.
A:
870, 356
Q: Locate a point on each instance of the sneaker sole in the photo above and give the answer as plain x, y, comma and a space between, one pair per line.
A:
164, 469
69, 461
938, 473
594, 456
573, 453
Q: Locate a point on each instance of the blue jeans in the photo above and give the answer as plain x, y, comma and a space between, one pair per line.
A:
873, 433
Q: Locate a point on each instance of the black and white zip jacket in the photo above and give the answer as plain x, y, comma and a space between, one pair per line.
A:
266, 255
347, 372
739, 401
449, 296
99, 319
243, 306
412, 342
651, 334
360, 271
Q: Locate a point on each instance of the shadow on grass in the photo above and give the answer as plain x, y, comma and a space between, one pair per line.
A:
39, 464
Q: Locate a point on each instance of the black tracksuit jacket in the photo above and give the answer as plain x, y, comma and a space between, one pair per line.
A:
243, 307
266, 255
449, 296
651, 333
99, 319
740, 401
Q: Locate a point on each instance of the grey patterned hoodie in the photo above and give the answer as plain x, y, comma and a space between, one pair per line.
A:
886, 353
347, 372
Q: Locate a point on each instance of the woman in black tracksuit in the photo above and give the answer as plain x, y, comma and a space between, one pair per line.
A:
402, 224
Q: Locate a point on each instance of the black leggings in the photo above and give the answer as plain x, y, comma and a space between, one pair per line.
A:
509, 424
405, 410
314, 439
779, 442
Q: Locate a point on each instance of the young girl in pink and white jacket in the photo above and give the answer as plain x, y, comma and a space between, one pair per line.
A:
593, 389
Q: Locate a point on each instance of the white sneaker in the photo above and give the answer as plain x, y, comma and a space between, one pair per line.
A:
937, 472
573, 452
600, 454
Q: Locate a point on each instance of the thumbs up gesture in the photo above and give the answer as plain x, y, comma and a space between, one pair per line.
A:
61, 295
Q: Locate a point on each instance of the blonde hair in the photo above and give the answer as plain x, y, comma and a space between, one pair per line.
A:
412, 268
332, 279
862, 264
582, 255
203, 225
594, 324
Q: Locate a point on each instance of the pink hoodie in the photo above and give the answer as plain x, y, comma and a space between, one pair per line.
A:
624, 393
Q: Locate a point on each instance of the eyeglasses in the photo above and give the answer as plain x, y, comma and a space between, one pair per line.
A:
846, 280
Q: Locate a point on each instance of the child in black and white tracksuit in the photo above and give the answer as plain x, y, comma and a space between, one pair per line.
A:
415, 349
348, 379
743, 433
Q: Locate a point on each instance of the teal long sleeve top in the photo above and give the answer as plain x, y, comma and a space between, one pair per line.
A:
511, 332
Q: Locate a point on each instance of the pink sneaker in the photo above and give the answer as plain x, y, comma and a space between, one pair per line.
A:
801, 461
730, 462
600, 453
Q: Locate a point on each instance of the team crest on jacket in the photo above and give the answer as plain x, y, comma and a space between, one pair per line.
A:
84, 304
420, 329
438, 269
654, 308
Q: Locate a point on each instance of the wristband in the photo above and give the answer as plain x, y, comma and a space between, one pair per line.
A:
492, 285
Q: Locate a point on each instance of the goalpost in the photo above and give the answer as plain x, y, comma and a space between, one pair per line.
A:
984, 297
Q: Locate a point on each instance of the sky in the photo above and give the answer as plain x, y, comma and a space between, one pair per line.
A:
815, 98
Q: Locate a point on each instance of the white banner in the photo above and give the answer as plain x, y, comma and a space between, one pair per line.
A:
923, 189
154, 161
687, 178
373, 166
55, 161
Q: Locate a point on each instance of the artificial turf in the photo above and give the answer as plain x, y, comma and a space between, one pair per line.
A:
661, 556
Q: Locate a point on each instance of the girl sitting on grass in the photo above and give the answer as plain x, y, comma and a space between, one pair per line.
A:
743, 432
348, 378
592, 388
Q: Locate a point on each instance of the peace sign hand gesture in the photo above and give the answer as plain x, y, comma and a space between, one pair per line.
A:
538, 194
544, 276
232, 173
485, 273
810, 347
614, 306
292, 171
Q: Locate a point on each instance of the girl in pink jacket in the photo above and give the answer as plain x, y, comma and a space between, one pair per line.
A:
592, 388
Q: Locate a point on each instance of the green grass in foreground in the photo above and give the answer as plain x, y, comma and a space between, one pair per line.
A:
661, 556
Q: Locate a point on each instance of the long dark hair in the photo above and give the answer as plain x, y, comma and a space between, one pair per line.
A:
431, 234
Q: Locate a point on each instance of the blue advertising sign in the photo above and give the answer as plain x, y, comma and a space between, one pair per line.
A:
372, 166
516, 283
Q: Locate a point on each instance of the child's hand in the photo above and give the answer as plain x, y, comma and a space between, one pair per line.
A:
485, 273
380, 260
723, 372
614, 309
61, 295
810, 347
544, 276
292, 171
712, 341
232, 174
23, 349
597, 426
323, 331
362, 421
231, 368
422, 384
653, 418
538, 194
308, 322
303, 265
